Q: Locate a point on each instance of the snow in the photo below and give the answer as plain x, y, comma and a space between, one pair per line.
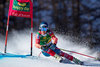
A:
19, 43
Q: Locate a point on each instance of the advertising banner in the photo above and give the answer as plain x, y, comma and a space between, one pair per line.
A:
21, 8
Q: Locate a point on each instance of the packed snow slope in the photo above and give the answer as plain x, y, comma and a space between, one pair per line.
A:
19, 43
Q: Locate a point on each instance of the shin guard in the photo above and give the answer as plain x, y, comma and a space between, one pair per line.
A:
67, 56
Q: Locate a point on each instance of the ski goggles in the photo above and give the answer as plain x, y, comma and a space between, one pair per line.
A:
44, 29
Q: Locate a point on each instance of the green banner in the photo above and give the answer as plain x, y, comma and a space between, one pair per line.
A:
21, 6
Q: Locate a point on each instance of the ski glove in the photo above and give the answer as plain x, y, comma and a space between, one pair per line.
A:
53, 46
45, 48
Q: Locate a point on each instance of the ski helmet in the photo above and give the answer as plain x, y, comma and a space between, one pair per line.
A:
43, 26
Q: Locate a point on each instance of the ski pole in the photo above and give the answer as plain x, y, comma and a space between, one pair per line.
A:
78, 53
39, 54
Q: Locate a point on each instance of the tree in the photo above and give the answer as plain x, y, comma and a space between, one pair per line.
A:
59, 15
76, 16
2, 15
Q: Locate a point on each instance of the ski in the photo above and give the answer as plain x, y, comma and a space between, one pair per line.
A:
10, 55
1, 53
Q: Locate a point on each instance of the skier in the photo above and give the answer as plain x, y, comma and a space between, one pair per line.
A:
46, 41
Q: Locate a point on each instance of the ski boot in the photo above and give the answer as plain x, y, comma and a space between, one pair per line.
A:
98, 59
75, 60
59, 58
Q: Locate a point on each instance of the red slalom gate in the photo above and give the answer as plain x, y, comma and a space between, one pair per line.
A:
20, 8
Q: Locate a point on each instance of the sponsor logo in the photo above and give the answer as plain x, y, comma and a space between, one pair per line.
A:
22, 4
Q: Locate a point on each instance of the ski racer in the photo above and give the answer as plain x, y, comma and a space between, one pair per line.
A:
46, 41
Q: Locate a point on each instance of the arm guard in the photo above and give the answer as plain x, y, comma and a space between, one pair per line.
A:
55, 39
